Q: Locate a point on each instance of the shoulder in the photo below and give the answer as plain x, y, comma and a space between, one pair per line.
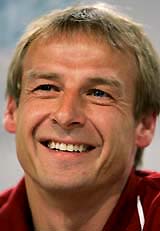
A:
149, 187
150, 196
10, 195
149, 179
5, 195
14, 209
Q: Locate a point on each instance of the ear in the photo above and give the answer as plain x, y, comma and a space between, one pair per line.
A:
10, 115
145, 130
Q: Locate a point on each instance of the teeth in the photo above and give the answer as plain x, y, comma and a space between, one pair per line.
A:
67, 147
62, 147
57, 146
81, 148
70, 147
52, 145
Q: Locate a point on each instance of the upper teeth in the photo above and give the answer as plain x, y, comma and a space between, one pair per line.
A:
67, 147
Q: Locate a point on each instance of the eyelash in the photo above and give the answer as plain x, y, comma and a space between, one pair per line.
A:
100, 93
46, 87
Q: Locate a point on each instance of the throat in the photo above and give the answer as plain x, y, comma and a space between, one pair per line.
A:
79, 212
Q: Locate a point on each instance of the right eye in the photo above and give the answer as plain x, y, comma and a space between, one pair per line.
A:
46, 90
47, 87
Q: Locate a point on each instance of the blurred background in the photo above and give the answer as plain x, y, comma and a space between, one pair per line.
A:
14, 17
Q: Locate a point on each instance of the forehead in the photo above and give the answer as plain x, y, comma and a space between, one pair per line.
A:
78, 44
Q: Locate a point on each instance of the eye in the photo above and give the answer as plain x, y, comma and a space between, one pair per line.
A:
47, 87
98, 93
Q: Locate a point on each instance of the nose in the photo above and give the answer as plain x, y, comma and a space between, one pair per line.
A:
69, 112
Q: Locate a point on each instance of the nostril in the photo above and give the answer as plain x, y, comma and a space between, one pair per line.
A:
69, 113
74, 123
69, 123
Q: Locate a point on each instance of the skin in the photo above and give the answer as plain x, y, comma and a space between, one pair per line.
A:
70, 110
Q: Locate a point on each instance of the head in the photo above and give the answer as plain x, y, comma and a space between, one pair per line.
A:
118, 32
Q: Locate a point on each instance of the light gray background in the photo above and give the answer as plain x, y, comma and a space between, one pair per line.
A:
14, 16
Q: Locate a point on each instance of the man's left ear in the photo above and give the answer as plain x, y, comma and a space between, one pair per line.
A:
9, 120
145, 130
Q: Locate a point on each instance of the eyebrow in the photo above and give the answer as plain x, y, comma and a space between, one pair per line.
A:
105, 80
108, 81
33, 74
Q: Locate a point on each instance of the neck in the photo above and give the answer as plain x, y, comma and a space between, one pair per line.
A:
69, 211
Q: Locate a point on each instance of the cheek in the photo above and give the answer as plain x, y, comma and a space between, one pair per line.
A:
118, 150
107, 121
117, 131
30, 113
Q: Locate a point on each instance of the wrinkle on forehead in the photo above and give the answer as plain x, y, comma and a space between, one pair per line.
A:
82, 40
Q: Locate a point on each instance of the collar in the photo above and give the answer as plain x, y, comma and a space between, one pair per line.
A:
15, 214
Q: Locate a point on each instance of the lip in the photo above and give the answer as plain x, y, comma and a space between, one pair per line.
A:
66, 141
44, 141
67, 147
64, 154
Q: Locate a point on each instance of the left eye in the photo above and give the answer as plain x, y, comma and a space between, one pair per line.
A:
98, 93
47, 87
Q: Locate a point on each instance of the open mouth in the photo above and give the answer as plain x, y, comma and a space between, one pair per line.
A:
52, 145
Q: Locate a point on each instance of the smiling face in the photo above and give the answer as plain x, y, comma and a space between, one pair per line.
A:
74, 123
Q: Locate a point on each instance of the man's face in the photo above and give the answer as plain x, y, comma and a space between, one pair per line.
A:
74, 123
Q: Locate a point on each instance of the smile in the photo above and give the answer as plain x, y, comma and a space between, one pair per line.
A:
67, 147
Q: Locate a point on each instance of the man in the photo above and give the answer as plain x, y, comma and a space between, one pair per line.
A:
83, 95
